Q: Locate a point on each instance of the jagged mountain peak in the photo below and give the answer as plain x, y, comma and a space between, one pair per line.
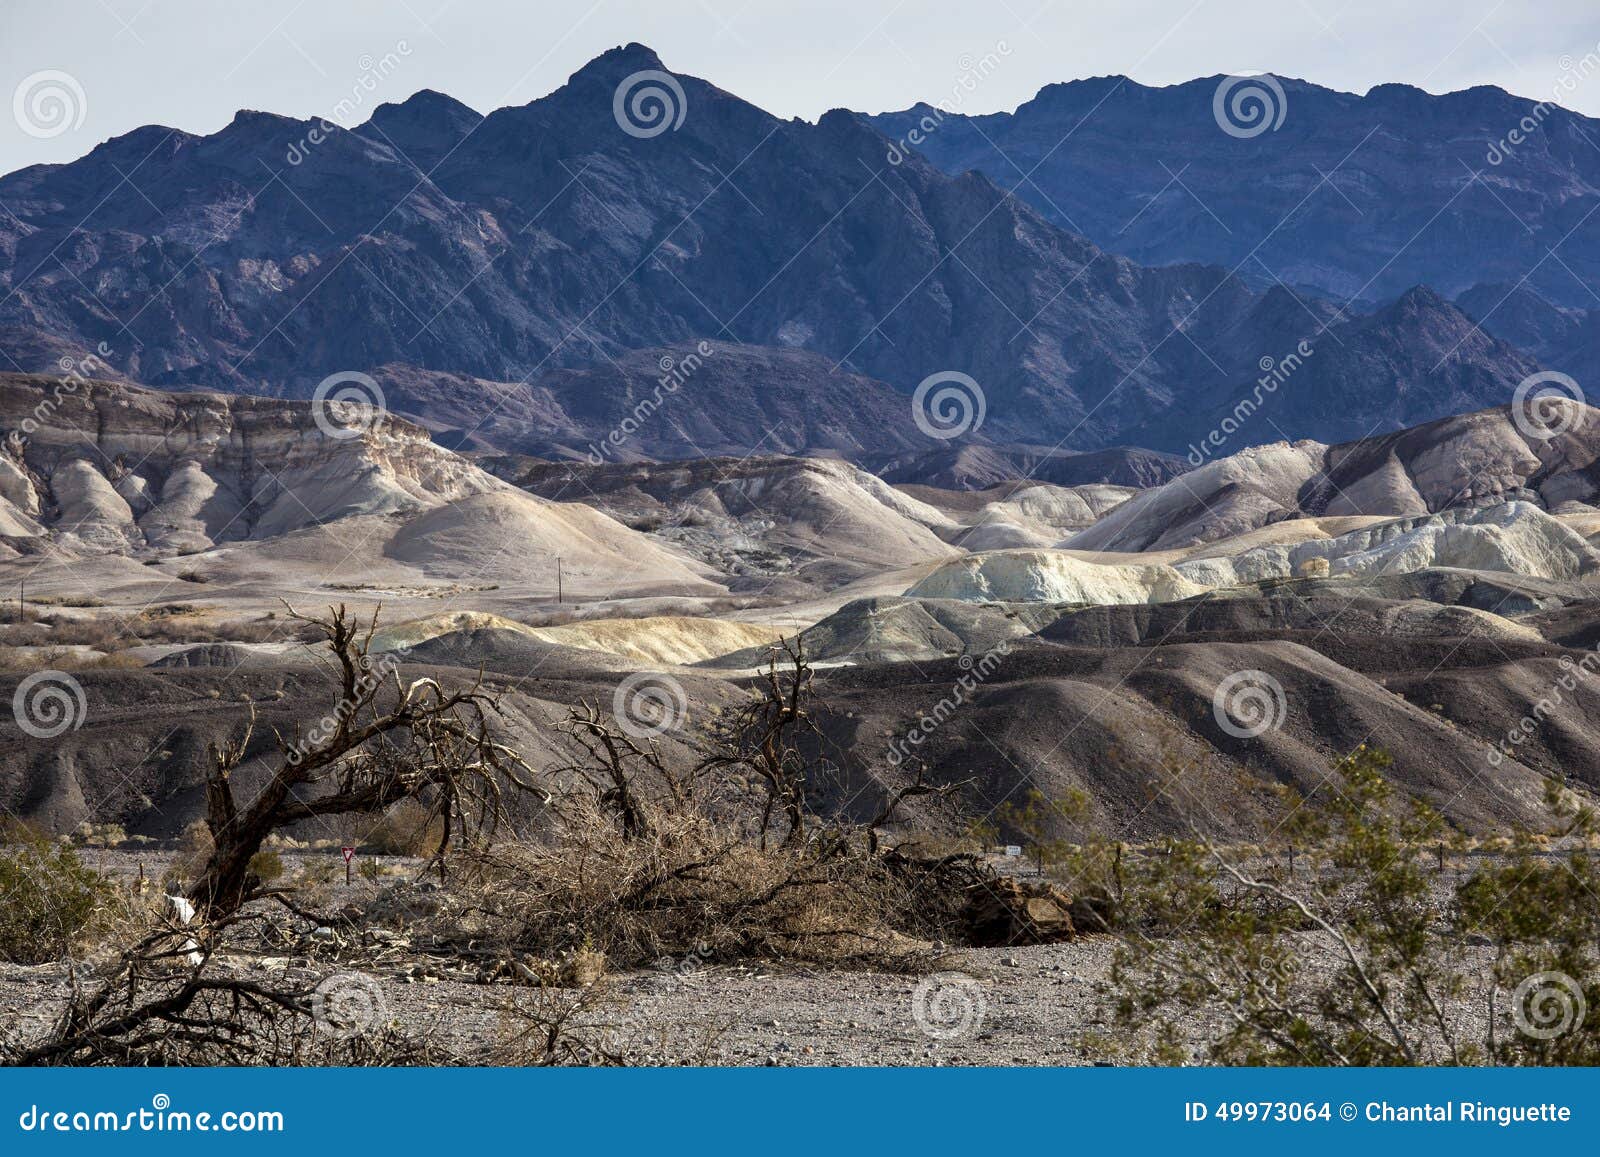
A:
620, 61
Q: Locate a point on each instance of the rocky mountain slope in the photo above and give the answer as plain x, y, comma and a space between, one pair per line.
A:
479, 261
1413, 360
157, 534
1564, 338
1511, 538
677, 402
776, 524
1114, 723
974, 466
1347, 196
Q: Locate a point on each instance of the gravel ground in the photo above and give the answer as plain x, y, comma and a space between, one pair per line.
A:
1039, 1005
1024, 1006
1034, 1005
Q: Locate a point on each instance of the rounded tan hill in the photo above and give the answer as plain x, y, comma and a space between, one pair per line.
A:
664, 639
511, 536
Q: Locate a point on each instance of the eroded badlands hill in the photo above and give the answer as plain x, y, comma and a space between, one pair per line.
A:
92, 468
1474, 459
1422, 591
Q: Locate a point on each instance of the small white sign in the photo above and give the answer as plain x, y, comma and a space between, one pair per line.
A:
1013, 851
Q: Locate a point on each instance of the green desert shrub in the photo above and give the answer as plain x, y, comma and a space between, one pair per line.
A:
48, 899
1368, 951
267, 866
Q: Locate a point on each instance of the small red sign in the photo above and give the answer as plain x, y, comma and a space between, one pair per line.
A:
348, 854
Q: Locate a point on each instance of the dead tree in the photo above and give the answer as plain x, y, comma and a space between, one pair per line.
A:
624, 775
384, 741
917, 787
764, 737
158, 1006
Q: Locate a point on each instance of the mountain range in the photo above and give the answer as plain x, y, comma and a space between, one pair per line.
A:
515, 281
1341, 195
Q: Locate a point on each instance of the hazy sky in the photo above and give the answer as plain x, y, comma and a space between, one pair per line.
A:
193, 63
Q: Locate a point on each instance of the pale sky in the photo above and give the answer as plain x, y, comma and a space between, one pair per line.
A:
192, 64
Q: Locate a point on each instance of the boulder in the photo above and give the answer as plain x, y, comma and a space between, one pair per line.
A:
1005, 911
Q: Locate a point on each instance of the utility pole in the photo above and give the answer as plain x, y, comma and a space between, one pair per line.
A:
22, 600
558, 579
